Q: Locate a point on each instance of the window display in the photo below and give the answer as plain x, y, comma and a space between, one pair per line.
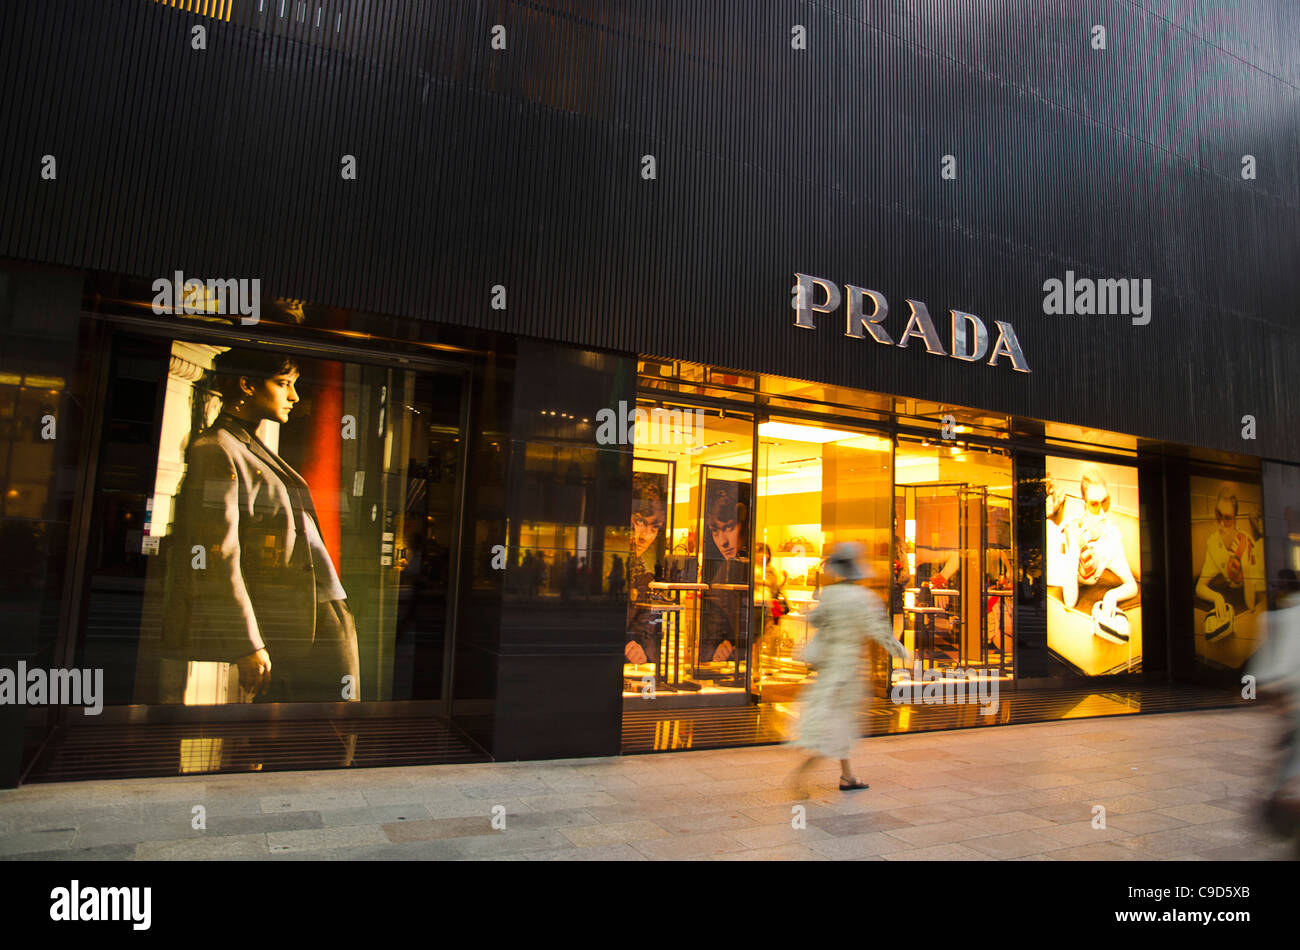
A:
297, 539
1230, 609
687, 553
1094, 618
951, 574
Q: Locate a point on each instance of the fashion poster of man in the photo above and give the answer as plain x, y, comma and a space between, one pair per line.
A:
649, 530
724, 621
1094, 609
254, 609
1230, 609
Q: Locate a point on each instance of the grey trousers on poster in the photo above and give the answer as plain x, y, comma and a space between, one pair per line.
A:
318, 677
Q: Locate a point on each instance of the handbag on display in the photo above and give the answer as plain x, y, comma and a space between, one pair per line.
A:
797, 546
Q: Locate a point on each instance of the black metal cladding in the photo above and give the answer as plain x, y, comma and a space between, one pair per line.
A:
522, 167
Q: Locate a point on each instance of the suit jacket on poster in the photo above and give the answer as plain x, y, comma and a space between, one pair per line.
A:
244, 506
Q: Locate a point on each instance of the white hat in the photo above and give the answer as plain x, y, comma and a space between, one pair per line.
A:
847, 562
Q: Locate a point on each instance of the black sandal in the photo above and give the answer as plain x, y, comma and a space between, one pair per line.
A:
853, 786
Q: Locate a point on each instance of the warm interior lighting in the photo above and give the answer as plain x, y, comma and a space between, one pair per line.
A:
801, 433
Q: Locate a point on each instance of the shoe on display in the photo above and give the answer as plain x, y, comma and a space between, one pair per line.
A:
1113, 628
1220, 624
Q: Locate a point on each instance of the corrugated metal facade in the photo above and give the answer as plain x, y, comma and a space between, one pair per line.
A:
522, 167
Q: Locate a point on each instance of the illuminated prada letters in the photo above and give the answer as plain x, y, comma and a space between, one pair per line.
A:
867, 309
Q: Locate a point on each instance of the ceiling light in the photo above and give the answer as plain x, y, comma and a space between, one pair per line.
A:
801, 433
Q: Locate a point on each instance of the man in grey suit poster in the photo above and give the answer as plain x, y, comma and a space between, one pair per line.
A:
252, 582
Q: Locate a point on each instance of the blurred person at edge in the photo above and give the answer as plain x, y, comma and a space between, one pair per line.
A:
1276, 668
846, 617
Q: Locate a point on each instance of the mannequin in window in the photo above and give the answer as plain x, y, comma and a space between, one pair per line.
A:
266, 595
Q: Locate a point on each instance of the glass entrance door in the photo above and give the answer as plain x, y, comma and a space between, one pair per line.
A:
817, 486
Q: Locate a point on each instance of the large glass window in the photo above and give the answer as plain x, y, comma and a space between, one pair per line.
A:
1094, 565
271, 528
953, 565
685, 560
1229, 612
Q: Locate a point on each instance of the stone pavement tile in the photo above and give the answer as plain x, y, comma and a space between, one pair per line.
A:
609, 852
700, 773
688, 846
1062, 812
36, 815
1183, 761
373, 815
1082, 832
922, 754
586, 836
842, 826
217, 847
922, 796
393, 851
1101, 851
108, 852
1184, 795
1190, 839
1128, 804
438, 828
941, 852
278, 804
1052, 779
652, 810
692, 822
858, 803
216, 805
1142, 822
253, 824
997, 804
568, 800
922, 779
497, 791
1004, 822
571, 781
50, 839
1199, 813
1254, 851
513, 843
732, 787
772, 814
318, 838
774, 836
416, 793
1145, 779
785, 852
471, 808
92, 836
857, 847
940, 832
539, 820
928, 814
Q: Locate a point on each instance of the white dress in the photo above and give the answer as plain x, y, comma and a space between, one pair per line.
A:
846, 617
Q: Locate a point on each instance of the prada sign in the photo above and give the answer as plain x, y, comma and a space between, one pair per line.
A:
968, 341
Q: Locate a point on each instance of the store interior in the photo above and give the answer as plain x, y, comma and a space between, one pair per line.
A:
709, 616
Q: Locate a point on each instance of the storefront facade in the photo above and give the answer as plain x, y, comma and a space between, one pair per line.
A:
581, 438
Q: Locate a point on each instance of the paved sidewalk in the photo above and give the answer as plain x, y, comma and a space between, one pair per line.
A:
1178, 786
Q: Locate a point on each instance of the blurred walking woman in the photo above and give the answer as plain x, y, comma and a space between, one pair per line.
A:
265, 594
847, 616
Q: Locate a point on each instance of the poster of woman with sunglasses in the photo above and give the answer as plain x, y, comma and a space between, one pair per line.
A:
1094, 609
1228, 555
